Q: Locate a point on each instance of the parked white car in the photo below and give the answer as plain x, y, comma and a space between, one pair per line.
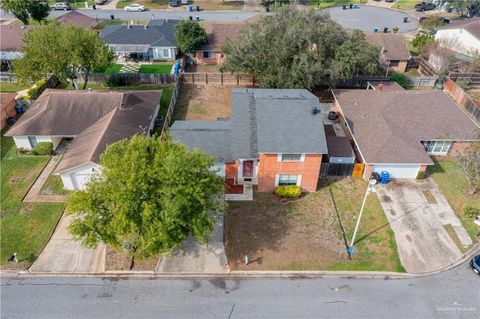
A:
134, 7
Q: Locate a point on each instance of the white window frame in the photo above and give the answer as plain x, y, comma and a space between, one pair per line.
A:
438, 147
280, 157
298, 179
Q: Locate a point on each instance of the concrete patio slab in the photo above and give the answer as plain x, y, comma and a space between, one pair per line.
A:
423, 243
65, 255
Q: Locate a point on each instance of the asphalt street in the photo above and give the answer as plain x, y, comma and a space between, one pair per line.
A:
222, 16
452, 294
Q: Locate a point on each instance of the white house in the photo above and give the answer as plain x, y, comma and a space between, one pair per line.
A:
461, 36
93, 119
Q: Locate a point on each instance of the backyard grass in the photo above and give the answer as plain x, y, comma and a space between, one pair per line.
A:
11, 87
453, 185
155, 68
110, 69
26, 227
104, 23
308, 234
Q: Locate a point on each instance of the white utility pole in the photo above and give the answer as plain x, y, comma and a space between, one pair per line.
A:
369, 188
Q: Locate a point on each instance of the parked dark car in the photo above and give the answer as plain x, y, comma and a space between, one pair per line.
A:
424, 6
475, 264
100, 2
174, 3
61, 6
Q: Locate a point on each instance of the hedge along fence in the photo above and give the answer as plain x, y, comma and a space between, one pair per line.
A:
37, 89
130, 79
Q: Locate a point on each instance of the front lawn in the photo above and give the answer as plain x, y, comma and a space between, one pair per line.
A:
452, 183
110, 69
309, 234
149, 4
26, 227
331, 3
155, 68
405, 4
12, 87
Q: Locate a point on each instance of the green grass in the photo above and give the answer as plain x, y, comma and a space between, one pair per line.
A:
26, 227
75, 4
150, 4
155, 68
405, 4
413, 50
110, 69
331, 3
452, 183
375, 241
53, 186
104, 23
11, 87
453, 234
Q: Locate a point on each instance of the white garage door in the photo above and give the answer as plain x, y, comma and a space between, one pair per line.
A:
79, 180
398, 171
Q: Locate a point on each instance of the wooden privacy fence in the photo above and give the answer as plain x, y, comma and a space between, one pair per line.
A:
218, 79
425, 68
473, 77
131, 78
171, 106
462, 98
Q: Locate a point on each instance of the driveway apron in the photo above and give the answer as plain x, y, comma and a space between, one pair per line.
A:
65, 255
423, 243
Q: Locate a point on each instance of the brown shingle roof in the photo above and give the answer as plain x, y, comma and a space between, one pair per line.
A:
389, 126
11, 36
472, 25
218, 34
76, 18
393, 45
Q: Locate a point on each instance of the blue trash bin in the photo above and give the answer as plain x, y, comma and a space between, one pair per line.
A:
375, 29
385, 177
190, 8
19, 109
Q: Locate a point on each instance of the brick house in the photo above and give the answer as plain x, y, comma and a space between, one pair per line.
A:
7, 107
394, 54
272, 138
217, 35
399, 130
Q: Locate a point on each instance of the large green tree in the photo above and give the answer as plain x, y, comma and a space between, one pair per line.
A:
64, 51
150, 196
294, 49
190, 35
23, 10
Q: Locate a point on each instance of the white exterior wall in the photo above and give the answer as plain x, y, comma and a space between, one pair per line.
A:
76, 179
398, 170
463, 41
23, 142
219, 169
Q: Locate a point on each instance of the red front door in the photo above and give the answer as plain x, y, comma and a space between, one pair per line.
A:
247, 168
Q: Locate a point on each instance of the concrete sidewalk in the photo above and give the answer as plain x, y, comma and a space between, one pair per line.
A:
65, 255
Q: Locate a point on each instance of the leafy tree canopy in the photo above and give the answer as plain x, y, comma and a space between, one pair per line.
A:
23, 10
63, 51
190, 35
423, 43
294, 49
151, 195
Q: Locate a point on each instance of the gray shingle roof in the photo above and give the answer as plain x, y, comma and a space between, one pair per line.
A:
275, 121
213, 137
158, 33
389, 126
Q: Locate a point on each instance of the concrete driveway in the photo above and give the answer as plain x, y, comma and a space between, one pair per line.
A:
423, 243
65, 255
195, 257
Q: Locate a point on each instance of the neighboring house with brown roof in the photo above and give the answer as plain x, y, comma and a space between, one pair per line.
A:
394, 53
7, 107
398, 131
462, 36
217, 35
11, 40
77, 19
93, 119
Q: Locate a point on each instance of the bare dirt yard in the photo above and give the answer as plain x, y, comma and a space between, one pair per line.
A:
203, 102
309, 234
115, 260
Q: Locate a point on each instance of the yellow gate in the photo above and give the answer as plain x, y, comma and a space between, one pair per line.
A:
358, 170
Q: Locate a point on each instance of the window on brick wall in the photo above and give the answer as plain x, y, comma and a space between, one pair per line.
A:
438, 147
284, 179
394, 62
291, 157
